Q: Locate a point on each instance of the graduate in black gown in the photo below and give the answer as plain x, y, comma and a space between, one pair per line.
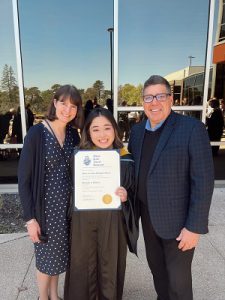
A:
99, 238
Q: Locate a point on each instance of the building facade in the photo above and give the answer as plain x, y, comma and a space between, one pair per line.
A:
107, 49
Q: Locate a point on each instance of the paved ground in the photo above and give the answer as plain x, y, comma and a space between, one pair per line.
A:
17, 272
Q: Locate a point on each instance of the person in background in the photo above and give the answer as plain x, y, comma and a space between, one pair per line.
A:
174, 184
215, 123
4, 124
95, 103
16, 135
109, 105
30, 116
99, 238
45, 186
123, 123
88, 108
222, 105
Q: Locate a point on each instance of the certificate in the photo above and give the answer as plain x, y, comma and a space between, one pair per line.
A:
96, 178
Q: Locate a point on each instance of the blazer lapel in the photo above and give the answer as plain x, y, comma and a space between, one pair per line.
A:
139, 138
164, 137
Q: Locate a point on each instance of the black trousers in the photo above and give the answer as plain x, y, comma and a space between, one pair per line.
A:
170, 267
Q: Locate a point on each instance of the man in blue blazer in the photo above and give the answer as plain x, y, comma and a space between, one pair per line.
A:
174, 186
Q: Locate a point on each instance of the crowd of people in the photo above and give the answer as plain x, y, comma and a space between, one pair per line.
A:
11, 130
91, 104
166, 181
10, 124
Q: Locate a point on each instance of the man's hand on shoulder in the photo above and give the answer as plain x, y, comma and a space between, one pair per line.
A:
187, 239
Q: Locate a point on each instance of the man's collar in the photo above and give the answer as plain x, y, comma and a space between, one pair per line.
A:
149, 128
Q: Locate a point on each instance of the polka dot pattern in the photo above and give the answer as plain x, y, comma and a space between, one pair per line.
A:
52, 257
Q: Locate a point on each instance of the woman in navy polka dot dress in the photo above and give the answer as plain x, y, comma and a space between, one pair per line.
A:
45, 186
52, 257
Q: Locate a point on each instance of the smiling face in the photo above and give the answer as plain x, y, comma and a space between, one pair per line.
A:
157, 111
102, 133
65, 110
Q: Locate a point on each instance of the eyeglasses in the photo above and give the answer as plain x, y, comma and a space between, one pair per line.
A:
159, 97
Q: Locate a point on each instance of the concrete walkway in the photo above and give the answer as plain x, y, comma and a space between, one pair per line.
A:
17, 271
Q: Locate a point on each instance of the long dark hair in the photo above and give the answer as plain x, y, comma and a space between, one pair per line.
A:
86, 142
67, 92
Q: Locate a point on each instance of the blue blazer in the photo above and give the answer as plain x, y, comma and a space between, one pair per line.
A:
180, 179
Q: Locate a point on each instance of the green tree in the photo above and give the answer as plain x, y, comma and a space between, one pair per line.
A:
99, 88
81, 91
31, 93
97, 91
33, 97
55, 87
90, 93
8, 81
46, 96
139, 90
10, 92
130, 93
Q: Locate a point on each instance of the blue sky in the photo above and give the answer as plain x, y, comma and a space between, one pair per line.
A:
66, 41
7, 44
157, 38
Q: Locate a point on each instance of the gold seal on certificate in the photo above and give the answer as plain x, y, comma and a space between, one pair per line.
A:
107, 199
96, 178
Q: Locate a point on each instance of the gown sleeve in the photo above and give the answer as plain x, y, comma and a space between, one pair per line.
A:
127, 181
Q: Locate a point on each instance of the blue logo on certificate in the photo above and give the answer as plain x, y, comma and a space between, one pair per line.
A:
87, 160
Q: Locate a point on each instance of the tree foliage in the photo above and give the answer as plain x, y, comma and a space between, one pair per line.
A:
8, 81
98, 86
55, 87
39, 100
97, 91
9, 97
130, 93
34, 98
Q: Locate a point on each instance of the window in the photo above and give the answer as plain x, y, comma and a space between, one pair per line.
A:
10, 118
222, 33
65, 44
